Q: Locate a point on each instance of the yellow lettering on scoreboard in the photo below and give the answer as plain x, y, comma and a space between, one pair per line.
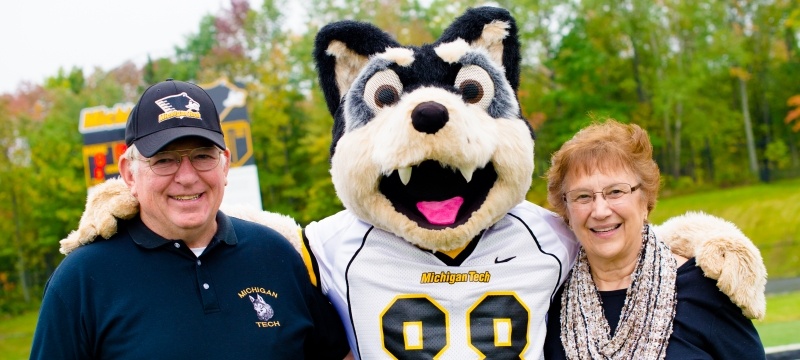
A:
101, 117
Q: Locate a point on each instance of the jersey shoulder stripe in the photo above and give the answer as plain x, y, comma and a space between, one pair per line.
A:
311, 262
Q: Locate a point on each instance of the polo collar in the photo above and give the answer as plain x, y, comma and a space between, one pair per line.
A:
146, 238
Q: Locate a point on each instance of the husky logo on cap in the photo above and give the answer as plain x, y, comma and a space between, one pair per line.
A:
171, 104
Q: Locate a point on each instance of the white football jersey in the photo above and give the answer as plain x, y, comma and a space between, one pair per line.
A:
399, 301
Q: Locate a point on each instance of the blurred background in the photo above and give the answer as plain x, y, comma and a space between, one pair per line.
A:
715, 82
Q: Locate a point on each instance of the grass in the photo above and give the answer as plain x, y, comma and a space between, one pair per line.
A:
784, 333
767, 213
783, 308
782, 323
779, 327
16, 335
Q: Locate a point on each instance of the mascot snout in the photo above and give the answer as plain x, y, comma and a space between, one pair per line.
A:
429, 117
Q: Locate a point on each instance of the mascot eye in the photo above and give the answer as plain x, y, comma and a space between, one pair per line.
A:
475, 85
383, 89
386, 95
471, 91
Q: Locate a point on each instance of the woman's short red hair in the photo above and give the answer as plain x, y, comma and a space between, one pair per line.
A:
608, 146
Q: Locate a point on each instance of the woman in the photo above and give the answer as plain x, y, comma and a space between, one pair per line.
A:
628, 296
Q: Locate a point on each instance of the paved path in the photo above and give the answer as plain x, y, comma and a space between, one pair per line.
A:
776, 286
785, 352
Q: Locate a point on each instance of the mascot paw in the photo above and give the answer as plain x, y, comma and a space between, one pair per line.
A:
107, 202
283, 224
724, 253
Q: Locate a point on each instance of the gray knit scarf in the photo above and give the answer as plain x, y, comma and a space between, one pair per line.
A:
646, 320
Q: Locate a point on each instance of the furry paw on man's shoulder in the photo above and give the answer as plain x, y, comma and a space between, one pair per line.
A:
724, 253
283, 224
106, 203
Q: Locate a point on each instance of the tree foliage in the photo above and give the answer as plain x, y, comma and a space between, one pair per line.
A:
794, 114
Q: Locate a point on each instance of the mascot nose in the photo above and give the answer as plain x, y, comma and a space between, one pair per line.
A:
429, 117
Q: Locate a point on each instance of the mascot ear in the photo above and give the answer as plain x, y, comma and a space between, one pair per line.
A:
492, 29
341, 50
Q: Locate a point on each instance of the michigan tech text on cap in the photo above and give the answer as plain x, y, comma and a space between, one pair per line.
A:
168, 111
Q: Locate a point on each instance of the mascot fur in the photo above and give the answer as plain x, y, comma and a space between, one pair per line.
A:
438, 255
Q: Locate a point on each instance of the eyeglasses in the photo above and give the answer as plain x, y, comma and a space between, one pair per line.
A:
614, 194
168, 162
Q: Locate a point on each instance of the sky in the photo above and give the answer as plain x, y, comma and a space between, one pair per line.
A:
41, 36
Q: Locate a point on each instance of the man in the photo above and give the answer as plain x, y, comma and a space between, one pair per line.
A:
182, 280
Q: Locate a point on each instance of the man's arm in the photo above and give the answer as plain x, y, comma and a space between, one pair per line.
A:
329, 338
59, 332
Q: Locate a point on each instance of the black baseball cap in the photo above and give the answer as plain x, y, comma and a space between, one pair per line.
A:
171, 110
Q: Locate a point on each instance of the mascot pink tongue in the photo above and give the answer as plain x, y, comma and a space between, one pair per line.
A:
441, 212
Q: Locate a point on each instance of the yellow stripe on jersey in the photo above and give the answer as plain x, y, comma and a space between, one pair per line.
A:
455, 252
306, 254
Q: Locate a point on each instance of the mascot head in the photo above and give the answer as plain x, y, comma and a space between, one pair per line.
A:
428, 142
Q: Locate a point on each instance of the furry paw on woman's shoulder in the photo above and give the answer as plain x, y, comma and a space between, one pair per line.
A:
724, 253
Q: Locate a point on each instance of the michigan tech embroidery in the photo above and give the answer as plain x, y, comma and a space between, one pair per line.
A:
264, 312
173, 107
452, 278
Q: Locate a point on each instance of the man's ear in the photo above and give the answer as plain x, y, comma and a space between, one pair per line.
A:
126, 174
227, 154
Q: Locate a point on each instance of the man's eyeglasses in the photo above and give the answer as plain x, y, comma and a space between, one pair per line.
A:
168, 162
614, 194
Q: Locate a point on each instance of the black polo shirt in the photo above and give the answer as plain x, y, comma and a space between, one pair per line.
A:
140, 296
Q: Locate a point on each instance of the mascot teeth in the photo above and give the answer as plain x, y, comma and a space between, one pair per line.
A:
467, 173
405, 174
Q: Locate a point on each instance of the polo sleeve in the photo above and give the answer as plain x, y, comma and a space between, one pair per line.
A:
328, 340
733, 336
708, 322
59, 332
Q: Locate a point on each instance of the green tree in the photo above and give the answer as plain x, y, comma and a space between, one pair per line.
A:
14, 168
